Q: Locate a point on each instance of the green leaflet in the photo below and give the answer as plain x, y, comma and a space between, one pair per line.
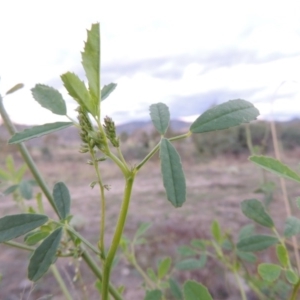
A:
291, 277
256, 243
225, 115
194, 291
282, 255
246, 231
269, 272
291, 226
10, 189
38, 131
160, 117
13, 226
91, 63
191, 263
44, 256
78, 91
49, 98
107, 90
25, 188
247, 256
172, 173
153, 295
216, 231
164, 267
62, 200
15, 88
275, 166
33, 238
175, 289
142, 229
255, 211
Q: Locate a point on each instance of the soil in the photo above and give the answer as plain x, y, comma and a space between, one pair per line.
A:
215, 189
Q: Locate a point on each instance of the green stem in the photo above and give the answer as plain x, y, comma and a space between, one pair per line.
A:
238, 279
86, 242
89, 261
61, 282
295, 291
134, 262
101, 245
156, 148
180, 137
249, 139
117, 235
27, 157
18, 245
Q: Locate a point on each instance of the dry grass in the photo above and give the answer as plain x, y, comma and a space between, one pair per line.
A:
215, 190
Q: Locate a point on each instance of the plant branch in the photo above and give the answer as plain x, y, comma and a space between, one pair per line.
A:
156, 148
61, 282
117, 235
86, 242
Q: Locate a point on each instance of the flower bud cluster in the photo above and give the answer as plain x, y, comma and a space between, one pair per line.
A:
110, 131
88, 135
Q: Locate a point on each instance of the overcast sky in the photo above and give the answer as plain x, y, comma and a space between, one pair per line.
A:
188, 54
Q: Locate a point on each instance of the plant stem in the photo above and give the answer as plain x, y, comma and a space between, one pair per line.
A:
101, 245
295, 291
134, 262
18, 245
238, 279
284, 192
27, 157
61, 282
155, 149
86, 242
89, 261
117, 235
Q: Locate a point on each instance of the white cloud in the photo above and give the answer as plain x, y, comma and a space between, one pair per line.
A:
42, 39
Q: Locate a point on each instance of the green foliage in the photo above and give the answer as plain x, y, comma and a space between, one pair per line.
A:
77, 90
175, 289
49, 98
226, 115
35, 237
44, 256
291, 277
15, 88
16, 225
291, 226
191, 264
282, 255
164, 267
153, 295
38, 131
61, 197
275, 166
269, 272
107, 90
91, 64
255, 211
160, 117
256, 243
172, 173
193, 290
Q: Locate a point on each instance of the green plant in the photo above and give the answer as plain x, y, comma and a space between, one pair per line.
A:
102, 143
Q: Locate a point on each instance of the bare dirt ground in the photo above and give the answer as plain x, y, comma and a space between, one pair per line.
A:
214, 191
